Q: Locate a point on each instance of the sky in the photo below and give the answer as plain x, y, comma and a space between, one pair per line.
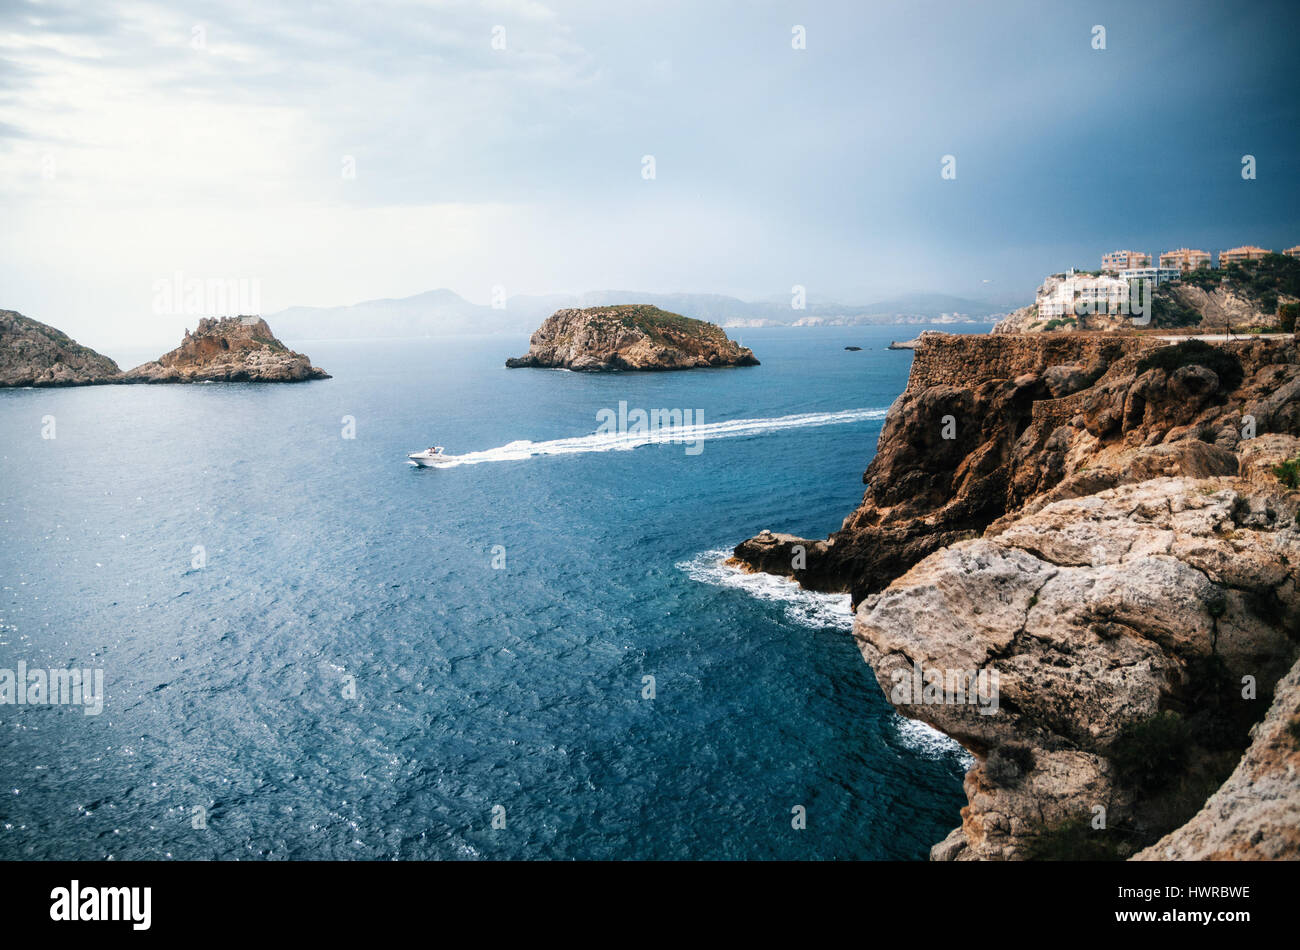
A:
336, 151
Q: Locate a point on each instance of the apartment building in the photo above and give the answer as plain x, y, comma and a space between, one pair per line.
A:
1116, 261
1236, 255
1154, 274
1292, 251
1185, 259
1073, 294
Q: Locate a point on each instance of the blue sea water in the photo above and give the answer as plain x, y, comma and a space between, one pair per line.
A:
498, 619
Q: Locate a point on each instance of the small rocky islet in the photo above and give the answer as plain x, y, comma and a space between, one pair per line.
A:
235, 349
630, 337
232, 349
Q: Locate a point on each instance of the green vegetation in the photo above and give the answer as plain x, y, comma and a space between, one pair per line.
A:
1267, 278
1167, 310
657, 323
1264, 280
1195, 353
1076, 840
1288, 473
1057, 322
1287, 314
1207, 278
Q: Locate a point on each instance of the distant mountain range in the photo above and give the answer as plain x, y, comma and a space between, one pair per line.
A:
446, 313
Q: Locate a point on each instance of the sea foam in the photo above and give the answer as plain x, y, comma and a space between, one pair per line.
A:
817, 611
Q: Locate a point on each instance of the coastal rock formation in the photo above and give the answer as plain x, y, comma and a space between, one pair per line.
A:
630, 337
232, 349
1100, 522
34, 354
1095, 616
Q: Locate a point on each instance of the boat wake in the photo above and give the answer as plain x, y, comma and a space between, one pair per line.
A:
690, 435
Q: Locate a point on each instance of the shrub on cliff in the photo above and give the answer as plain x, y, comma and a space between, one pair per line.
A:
1148, 754
1196, 353
1268, 277
1207, 278
1168, 310
1006, 765
1288, 473
1263, 280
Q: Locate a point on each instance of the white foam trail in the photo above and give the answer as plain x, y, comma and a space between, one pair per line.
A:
804, 607
688, 435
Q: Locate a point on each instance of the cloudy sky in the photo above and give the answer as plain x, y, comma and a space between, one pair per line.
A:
139, 140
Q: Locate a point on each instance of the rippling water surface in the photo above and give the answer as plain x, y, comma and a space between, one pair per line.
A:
499, 620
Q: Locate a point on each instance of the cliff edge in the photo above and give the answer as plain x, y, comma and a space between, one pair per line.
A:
630, 337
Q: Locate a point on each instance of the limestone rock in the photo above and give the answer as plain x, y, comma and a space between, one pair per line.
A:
1091, 612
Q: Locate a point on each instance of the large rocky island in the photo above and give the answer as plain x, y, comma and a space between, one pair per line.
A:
234, 349
630, 337
1108, 528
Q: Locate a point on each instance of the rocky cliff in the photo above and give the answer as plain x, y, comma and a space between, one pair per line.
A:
1100, 525
958, 449
631, 337
34, 354
233, 349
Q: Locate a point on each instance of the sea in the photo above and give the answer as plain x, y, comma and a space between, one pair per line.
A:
312, 649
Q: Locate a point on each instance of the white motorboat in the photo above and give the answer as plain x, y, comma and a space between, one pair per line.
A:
431, 457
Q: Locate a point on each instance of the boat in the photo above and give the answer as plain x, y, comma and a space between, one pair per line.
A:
431, 457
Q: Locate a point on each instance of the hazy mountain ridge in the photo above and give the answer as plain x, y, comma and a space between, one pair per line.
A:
445, 313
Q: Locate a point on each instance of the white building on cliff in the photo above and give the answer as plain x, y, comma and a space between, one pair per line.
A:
1074, 294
